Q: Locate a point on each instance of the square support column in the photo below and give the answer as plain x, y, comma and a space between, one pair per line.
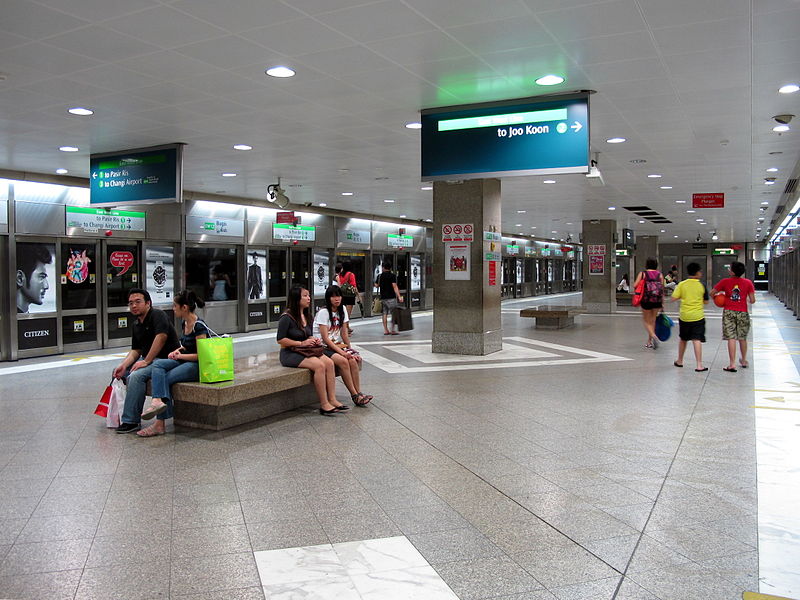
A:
599, 287
466, 313
646, 247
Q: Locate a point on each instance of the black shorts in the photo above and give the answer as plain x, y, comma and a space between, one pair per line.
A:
650, 305
348, 300
692, 330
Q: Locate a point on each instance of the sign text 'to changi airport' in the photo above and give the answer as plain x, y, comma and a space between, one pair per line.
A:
138, 176
527, 136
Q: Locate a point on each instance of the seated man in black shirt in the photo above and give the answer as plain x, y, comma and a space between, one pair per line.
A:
154, 336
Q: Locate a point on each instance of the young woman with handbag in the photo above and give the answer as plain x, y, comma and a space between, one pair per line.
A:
330, 324
299, 348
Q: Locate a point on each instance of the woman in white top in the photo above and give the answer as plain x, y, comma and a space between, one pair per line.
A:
330, 324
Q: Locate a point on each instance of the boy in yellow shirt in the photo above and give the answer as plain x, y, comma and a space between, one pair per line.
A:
692, 323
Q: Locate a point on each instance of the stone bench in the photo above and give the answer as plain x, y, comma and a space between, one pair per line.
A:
624, 299
261, 387
553, 317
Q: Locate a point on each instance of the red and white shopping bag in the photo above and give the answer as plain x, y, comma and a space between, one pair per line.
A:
111, 403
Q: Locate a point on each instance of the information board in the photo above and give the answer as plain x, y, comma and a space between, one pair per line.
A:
141, 175
95, 219
286, 232
400, 241
526, 136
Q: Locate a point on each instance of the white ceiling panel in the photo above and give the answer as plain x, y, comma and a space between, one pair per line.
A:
94, 10
167, 65
231, 52
702, 37
102, 44
342, 61
244, 15
371, 22
446, 13
43, 57
421, 47
610, 18
777, 26
612, 48
302, 36
500, 36
164, 27
659, 13
626, 70
33, 21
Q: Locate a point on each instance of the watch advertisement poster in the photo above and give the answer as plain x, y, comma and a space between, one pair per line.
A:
456, 260
256, 268
321, 274
159, 266
35, 277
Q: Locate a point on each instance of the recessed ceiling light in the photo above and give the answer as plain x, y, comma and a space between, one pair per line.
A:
518, 225
654, 176
638, 161
674, 236
553, 232
429, 220
550, 80
242, 147
426, 188
549, 181
612, 208
83, 112
569, 223
780, 128
769, 182
280, 71
68, 149
772, 170
691, 211
699, 220
402, 216
322, 204
229, 174
666, 187
680, 201
789, 88
389, 201
62, 171
521, 212
347, 193
616, 140
765, 203
663, 231
414, 125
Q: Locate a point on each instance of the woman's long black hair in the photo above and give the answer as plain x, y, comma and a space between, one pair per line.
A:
334, 290
293, 304
190, 299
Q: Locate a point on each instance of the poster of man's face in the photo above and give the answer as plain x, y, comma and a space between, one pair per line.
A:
36, 273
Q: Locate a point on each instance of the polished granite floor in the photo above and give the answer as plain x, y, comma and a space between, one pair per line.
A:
576, 465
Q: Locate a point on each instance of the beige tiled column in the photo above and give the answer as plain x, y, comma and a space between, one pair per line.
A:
646, 247
599, 289
466, 314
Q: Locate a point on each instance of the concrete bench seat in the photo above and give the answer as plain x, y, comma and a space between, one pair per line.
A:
552, 316
262, 387
624, 299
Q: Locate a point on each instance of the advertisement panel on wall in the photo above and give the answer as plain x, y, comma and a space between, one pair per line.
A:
456, 260
416, 274
159, 266
78, 276
256, 268
37, 333
35, 277
321, 274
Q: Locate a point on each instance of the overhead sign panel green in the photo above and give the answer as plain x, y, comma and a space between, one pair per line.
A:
137, 176
526, 136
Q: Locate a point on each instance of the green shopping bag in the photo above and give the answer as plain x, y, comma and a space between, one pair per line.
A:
215, 355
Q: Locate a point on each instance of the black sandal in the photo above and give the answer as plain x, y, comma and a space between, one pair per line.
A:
360, 399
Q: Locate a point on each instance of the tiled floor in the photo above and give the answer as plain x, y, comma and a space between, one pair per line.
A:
576, 465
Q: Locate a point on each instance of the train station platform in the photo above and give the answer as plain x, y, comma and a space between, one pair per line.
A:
574, 464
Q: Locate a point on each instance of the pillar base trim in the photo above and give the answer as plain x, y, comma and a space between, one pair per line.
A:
473, 344
600, 308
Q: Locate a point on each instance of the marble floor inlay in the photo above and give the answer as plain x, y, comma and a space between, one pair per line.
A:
380, 569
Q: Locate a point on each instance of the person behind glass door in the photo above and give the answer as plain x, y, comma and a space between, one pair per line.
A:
624, 284
330, 325
32, 282
347, 281
390, 296
219, 284
180, 365
255, 283
295, 331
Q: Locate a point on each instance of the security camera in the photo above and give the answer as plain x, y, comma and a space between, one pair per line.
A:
698, 237
783, 119
277, 195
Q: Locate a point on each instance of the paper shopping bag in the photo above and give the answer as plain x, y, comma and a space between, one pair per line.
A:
102, 406
116, 403
215, 355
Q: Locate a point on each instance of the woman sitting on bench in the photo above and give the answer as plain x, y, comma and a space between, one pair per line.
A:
300, 349
330, 324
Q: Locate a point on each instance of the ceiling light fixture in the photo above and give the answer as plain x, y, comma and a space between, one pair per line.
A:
62, 171
641, 221
772, 170
764, 203
654, 176
347, 193
229, 174
780, 128
666, 187
402, 216
426, 188
789, 88
69, 149
550, 80
612, 208
242, 147
82, 112
680, 201
521, 212
714, 236
616, 140
389, 201
549, 181
322, 204
414, 125
280, 72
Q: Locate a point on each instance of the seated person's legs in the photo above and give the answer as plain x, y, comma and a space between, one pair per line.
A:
135, 395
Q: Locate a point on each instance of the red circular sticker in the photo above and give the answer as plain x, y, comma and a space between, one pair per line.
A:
467, 228
457, 229
446, 229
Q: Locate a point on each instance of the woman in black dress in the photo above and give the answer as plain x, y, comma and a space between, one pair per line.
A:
294, 332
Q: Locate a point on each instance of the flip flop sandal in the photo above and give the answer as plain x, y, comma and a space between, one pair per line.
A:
153, 411
701, 370
729, 370
361, 399
675, 364
149, 432
744, 365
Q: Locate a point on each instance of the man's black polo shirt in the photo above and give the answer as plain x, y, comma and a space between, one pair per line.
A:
145, 332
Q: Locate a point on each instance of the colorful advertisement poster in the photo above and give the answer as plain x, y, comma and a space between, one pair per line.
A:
36, 272
321, 274
256, 268
456, 260
416, 274
160, 273
596, 264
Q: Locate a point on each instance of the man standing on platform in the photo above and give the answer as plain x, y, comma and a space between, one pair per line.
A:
154, 337
390, 296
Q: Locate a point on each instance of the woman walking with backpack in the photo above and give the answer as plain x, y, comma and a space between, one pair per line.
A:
652, 299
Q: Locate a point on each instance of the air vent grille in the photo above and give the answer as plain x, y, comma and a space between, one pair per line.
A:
791, 186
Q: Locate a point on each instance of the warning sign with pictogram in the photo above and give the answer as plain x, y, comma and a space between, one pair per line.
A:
457, 232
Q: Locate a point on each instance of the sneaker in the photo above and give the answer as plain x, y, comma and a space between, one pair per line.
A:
128, 427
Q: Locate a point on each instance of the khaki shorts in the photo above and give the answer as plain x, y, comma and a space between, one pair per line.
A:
735, 325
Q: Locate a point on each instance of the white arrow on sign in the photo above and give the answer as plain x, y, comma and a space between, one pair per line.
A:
576, 127
94, 175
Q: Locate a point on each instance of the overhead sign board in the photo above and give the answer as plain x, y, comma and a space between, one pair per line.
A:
400, 241
457, 232
354, 236
526, 136
214, 226
287, 232
95, 219
716, 200
285, 217
723, 252
138, 176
